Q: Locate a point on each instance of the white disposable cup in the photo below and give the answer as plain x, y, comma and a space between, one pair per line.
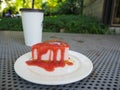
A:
32, 25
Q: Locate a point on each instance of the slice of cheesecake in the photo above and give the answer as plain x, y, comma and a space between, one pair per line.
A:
50, 51
50, 54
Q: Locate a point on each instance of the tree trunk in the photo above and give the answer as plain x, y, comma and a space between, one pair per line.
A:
81, 6
32, 3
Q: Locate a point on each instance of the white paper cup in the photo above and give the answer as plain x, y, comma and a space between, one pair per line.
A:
32, 25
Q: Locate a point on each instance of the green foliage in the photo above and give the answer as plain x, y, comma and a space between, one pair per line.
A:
15, 5
51, 7
54, 7
74, 24
13, 24
67, 23
71, 7
52, 21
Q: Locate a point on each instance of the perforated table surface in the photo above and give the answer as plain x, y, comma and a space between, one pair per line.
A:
102, 50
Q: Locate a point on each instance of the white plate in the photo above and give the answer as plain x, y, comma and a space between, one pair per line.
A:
81, 68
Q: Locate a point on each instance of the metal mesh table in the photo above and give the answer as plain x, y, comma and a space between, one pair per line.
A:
103, 50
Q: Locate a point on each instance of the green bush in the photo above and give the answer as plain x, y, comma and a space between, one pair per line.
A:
60, 23
13, 24
74, 24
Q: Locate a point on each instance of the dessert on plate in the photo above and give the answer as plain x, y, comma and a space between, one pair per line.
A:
50, 55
